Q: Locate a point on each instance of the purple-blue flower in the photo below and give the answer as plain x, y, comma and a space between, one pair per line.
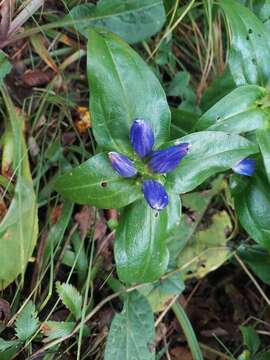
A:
122, 164
164, 161
155, 194
160, 162
245, 167
141, 137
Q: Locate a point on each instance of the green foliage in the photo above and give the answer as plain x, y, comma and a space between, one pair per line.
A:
250, 47
95, 182
134, 21
27, 322
71, 298
5, 66
19, 227
211, 152
132, 331
117, 77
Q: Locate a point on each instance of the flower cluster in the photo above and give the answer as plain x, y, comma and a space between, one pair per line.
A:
158, 162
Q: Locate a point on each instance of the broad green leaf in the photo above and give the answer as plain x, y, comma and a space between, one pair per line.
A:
250, 338
140, 246
132, 332
211, 152
253, 209
250, 47
237, 112
71, 298
262, 9
18, 233
27, 322
95, 182
19, 227
134, 20
207, 249
5, 66
194, 204
160, 293
122, 88
263, 138
258, 259
57, 329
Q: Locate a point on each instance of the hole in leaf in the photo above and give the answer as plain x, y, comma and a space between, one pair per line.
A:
156, 214
253, 61
247, 37
104, 184
250, 31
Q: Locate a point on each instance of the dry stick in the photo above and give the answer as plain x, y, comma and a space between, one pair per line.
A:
253, 279
24, 15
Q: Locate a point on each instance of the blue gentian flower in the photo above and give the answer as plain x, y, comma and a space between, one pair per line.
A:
245, 167
155, 194
122, 164
160, 162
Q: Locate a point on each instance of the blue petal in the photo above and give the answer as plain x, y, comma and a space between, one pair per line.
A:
245, 167
164, 161
122, 164
155, 194
141, 137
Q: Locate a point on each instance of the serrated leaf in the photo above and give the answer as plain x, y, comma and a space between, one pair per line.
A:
131, 334
134, 20
7, 344
71, 298
123, 88
95, 182
211, 152
250, 47
27, 322
57, 329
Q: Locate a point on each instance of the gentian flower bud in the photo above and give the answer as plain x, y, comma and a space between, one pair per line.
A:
155, 194
122, 164
164, 161
245, 167
141, 137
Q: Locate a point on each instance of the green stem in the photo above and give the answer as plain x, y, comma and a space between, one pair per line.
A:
188, 331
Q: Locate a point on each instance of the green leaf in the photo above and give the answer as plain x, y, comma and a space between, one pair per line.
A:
132, 332
263, 138
250, 47
207, 249
71, 298
140, 247
57, 329
134, 20
250, 339
95, 182
258, 259
211, 152
253, 209
19, 227
27, 322
122, 88
5, 66
6, 345
160, 293
237, 112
